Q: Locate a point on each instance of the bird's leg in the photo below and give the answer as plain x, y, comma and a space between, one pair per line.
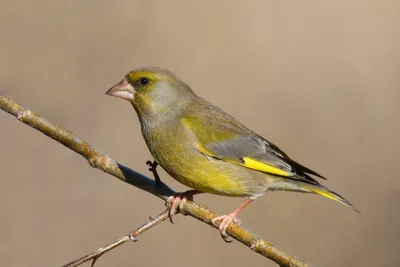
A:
153, 168
176, 201
229, 218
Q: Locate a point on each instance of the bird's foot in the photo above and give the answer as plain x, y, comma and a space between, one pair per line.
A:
226, 220
175, 202
153, 168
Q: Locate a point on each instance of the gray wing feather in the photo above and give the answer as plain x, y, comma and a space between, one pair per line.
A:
246, 143
249, 146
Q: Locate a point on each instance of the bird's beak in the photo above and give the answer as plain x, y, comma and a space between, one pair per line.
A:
123, 90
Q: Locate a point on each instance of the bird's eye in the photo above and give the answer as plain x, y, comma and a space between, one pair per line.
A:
144, 81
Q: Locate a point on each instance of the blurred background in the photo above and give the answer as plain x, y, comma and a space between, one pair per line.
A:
319, 78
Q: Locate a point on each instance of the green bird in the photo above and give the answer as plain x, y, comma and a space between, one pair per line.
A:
206, 149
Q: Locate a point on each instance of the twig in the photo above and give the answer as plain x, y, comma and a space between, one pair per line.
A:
129, 237
103, 162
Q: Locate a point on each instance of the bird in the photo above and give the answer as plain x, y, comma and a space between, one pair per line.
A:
208, 150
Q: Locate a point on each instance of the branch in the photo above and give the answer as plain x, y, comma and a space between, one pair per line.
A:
99, 160
129, 237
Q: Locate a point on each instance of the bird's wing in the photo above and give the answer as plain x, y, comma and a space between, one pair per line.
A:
226, 139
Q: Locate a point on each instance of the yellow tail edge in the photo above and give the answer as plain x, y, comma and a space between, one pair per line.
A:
319, 190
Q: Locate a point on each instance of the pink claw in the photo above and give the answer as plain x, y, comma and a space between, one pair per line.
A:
176, 201
226, 221
229, 218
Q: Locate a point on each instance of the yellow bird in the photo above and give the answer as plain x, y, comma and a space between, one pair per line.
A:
206, 149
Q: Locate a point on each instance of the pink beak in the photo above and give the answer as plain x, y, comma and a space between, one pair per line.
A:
122, 90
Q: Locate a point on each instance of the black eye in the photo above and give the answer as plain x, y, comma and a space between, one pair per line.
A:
144, 81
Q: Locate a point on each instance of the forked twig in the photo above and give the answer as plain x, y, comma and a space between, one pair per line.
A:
94, 256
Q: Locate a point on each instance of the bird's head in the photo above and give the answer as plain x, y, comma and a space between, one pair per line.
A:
152, 90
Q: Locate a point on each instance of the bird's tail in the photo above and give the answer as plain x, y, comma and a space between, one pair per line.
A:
323, 191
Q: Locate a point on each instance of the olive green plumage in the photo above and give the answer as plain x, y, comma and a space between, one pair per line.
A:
205, 148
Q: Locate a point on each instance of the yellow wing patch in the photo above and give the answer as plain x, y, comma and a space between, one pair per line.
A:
250, 163
206, 135
261, 166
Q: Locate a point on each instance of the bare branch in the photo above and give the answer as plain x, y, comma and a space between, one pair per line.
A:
131, 236
103, 162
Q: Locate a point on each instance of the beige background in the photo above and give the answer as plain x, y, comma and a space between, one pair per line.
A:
319, 78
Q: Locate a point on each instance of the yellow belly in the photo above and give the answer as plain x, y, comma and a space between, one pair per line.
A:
211, 175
